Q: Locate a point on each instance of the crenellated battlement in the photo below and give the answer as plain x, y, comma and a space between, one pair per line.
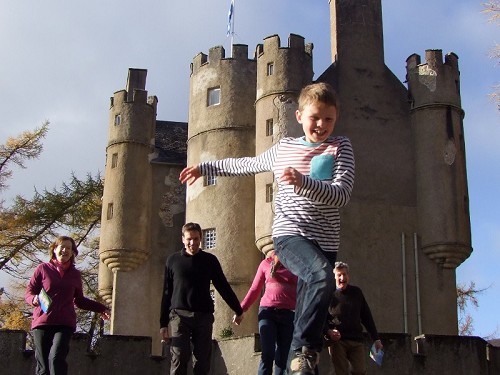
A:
131, 355
217, 54
436, 81
273, 43
138, 97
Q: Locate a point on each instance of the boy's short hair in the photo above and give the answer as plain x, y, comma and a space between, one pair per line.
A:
188, 227
341, 265
318, 92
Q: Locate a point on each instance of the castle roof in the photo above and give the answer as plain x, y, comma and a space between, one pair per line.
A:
171, 142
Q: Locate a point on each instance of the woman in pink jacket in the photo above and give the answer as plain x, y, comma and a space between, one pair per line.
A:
276, 313
54, 290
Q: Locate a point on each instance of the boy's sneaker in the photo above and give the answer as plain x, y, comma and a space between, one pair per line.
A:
304, 362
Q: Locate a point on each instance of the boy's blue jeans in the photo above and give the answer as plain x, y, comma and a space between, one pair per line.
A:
315, 286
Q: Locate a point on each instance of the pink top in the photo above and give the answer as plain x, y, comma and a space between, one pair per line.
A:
280, 290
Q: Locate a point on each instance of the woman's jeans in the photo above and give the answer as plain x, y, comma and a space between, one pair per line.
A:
276, 331
51, 349
315, 287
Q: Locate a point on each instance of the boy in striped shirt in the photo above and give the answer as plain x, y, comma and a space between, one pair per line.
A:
315, 177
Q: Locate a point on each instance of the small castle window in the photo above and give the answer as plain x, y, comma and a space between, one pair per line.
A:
269, 193
269, 127
209, 237
209, 180
109, 213
114, 160
118, 119
270, 69
213, 96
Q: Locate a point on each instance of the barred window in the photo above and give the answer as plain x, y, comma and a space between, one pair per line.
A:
209, 237
269, 127
269, 193
209, 180
213, 96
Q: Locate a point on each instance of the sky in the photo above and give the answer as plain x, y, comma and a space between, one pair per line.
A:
62, 61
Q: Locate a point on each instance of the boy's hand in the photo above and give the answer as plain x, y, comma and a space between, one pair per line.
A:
189, 175
291, 176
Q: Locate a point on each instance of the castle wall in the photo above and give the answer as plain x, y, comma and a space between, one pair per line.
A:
225, 129
130, 355
381, 237
148, 207
167, 220
437, 127
282, 71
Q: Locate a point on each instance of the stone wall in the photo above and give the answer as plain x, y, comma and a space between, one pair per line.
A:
130, 355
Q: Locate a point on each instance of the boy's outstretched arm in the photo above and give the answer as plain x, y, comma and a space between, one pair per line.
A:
189, 174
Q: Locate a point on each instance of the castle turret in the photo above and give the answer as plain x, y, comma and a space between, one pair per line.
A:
221, 125
281, 74
125, 223
442, 195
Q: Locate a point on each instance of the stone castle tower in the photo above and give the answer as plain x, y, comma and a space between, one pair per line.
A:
405, 230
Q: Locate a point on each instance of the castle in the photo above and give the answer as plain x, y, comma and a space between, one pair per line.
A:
403, 233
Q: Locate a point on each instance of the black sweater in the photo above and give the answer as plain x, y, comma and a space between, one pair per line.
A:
187, 284
348, 311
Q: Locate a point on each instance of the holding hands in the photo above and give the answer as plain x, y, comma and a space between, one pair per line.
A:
237, 319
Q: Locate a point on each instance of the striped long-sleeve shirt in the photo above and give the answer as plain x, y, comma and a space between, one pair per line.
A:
312, 210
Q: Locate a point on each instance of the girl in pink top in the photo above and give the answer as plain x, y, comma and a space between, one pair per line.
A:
276, 313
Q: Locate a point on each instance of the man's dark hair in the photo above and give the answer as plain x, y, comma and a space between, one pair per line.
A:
188, 227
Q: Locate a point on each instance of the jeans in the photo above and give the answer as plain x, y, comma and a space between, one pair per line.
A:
276, 331
51, 349
188, 327
315, 286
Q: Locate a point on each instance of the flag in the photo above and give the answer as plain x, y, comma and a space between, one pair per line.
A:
230, 17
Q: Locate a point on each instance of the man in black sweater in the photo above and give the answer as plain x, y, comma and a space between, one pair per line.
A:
187, 307
347, 313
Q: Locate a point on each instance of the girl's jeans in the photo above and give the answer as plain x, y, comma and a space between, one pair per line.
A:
276, 331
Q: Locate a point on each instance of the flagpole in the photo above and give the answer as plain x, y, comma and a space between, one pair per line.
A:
232, 32
230, 26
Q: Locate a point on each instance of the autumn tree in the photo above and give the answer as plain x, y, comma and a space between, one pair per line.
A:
17, 150
28, 226
466, 296
492, 9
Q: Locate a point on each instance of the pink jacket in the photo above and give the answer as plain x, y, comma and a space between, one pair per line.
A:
65, 291
280, 290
